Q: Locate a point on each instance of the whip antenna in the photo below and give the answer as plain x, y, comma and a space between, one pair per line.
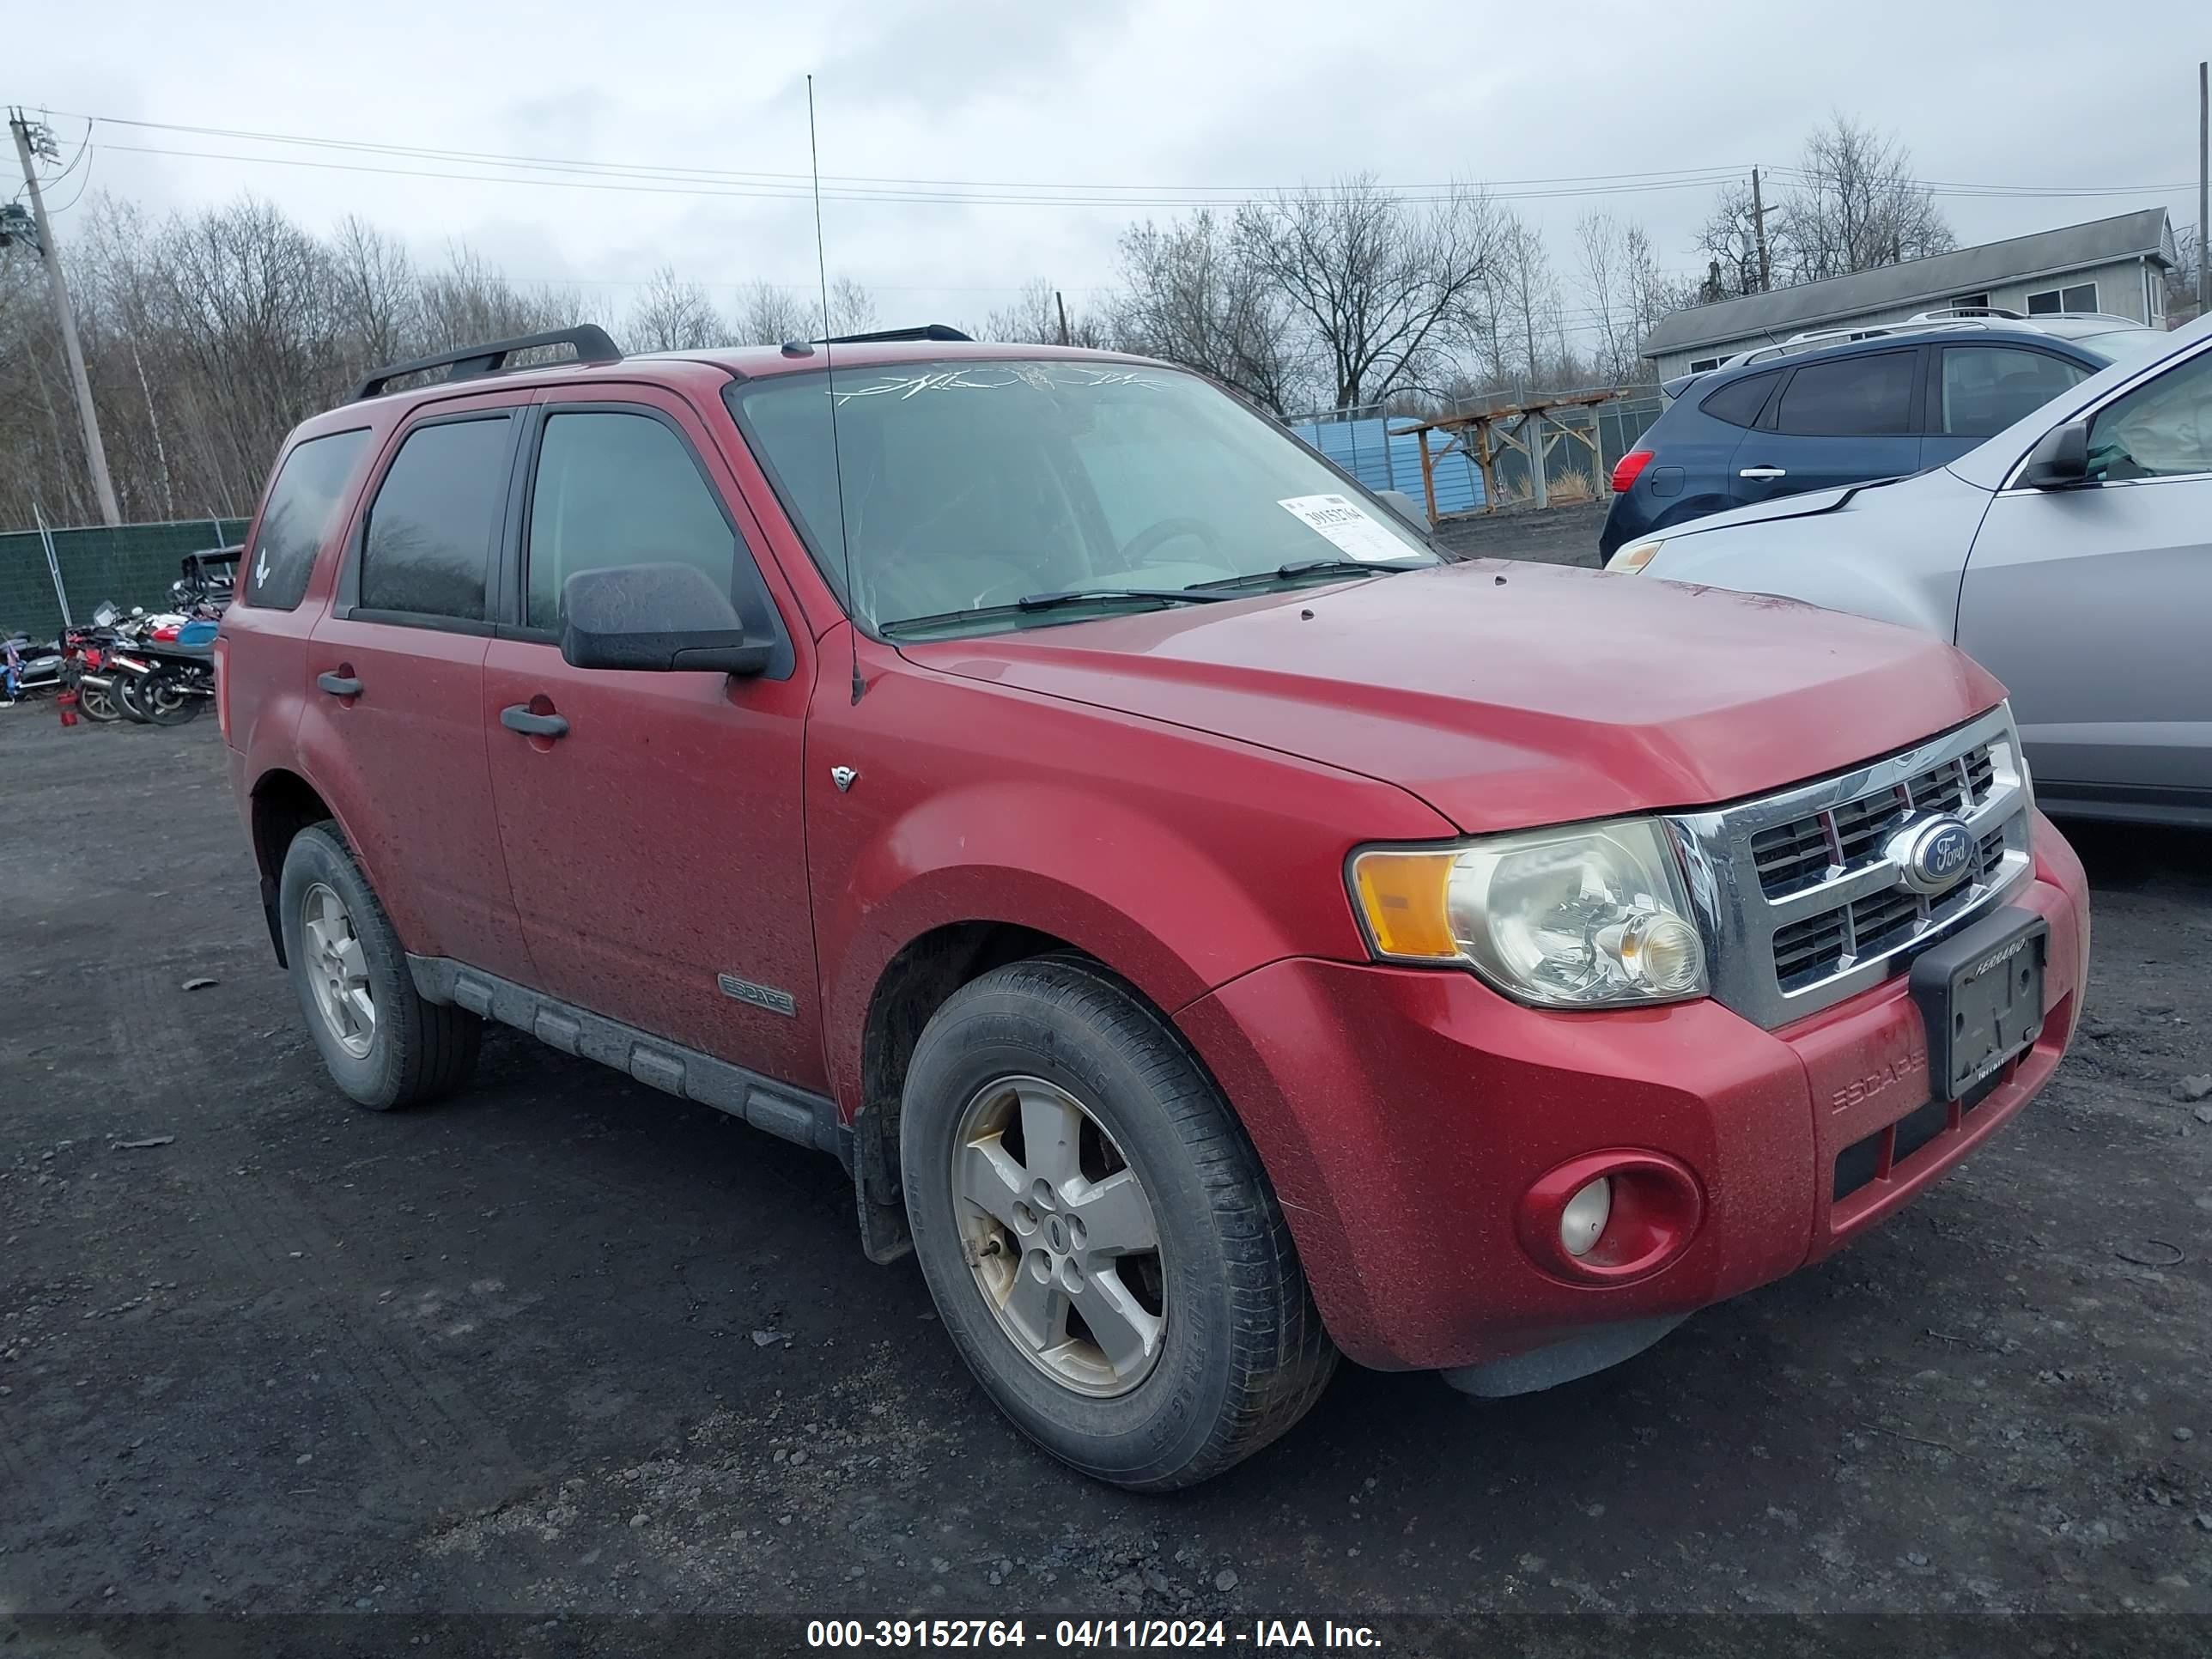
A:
830, 375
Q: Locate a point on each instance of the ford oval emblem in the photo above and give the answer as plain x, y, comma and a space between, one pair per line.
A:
1934, 854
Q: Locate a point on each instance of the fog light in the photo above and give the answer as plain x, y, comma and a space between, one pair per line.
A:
1583, 1220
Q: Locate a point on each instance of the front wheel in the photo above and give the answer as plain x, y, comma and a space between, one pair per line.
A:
98, 703
1097, 1231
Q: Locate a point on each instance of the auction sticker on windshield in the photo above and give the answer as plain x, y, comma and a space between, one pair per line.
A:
1343, 523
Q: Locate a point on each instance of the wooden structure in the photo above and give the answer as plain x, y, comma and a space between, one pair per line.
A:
1530, 428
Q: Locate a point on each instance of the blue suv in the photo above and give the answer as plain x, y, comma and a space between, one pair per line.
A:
1821, 410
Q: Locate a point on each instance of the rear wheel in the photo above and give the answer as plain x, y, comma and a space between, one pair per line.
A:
384, 1045
1097, 1232
126, 699
167, 702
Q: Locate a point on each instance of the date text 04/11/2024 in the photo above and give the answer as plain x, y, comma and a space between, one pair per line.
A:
1069, 1635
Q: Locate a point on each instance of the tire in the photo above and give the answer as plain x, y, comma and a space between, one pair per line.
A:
408, 1051
1238, 1354
126, 699
97, 703
169, 705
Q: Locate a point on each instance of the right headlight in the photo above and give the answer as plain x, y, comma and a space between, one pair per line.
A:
1593, 915
1632, 558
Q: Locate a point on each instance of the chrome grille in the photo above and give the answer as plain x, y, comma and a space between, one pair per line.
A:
1801, 905
1801, 853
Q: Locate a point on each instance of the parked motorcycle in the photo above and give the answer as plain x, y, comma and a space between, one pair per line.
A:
164, 681
85, 653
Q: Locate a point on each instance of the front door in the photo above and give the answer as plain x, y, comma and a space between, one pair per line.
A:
393, 723
2092, 605
657, 844
1837, 421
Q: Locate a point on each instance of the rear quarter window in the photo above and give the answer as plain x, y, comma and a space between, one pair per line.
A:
1739, 402
302, 512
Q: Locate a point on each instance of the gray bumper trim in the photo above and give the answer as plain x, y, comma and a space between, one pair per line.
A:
1590, 1349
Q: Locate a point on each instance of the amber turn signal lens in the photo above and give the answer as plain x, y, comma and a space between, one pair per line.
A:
1403, 896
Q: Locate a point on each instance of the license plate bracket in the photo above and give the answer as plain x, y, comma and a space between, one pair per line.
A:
1980, 992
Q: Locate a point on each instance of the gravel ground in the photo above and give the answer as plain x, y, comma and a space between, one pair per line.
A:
564, 1343
1552, 535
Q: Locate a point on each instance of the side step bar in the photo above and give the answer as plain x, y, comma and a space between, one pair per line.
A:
794, 1115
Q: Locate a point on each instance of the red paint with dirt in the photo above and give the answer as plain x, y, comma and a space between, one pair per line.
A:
1175, 793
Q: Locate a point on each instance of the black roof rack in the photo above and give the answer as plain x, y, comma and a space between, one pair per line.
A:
590, 340
925, 331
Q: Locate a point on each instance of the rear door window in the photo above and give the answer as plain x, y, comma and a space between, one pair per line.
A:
429, 541
303, 509
1986, 388
1739, 402
1850, 397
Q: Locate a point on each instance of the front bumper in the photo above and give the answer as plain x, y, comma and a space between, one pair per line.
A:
1402, 1113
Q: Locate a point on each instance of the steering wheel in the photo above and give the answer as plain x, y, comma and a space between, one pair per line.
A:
1136, 549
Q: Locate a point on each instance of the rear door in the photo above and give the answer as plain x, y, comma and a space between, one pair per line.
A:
1837, 421
393, 721
2093, 604
657, 844
1976, 392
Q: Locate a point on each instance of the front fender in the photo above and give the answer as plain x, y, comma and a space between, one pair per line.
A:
1178, 860
1895, 554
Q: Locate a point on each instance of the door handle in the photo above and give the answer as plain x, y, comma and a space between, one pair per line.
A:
517, 717
340, 685
1761, 474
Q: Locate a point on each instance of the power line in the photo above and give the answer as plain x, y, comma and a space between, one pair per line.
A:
1054, 193
639, 183
727, 175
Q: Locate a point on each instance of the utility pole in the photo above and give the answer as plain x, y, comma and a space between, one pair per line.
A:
1062, 304
96, 452
2203, 191
1758, 227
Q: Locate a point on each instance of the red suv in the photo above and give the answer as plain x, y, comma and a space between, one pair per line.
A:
1218, 929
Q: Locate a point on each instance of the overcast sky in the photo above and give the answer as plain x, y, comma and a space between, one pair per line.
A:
1142, 98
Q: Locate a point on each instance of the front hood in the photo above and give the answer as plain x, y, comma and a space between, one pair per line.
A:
1874, 495
1506, 695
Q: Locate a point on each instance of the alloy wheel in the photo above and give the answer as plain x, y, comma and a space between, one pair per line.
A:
336, 970
1060, 1236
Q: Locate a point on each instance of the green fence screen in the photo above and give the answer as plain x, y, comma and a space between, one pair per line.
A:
130, 563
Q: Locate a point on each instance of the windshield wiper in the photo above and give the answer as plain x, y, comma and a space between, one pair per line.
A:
1302, 567
1052, 601
1094, 595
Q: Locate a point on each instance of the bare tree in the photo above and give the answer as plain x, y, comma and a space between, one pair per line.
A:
1193, 295
379, 301
671, 315
1614, 256
1856, 205
1034, 319
770, 315
852, 307
1385, 289
1728, 239
1526, 296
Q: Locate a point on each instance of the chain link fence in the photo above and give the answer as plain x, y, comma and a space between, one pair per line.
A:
1359, 440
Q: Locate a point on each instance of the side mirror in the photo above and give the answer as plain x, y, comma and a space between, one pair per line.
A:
2060, 460
1408, 509
657, 616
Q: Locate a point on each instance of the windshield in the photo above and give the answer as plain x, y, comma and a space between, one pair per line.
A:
2126, 345
970, 487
